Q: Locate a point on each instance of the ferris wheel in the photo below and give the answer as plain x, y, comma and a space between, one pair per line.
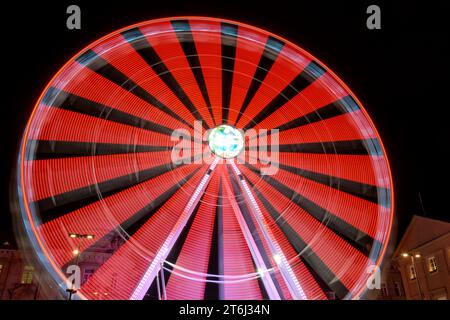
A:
229, 163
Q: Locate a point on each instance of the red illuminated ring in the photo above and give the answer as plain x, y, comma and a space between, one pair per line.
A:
97, 158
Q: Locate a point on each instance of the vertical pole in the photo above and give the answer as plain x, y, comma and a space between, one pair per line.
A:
163, 282
417, 277
220, 240
157, 287
160, 256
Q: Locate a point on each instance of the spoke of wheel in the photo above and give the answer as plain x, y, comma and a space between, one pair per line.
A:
258, 259
286, 271
164, 251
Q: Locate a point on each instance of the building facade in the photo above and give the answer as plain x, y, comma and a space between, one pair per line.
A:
22, 280
17, 277
419, 268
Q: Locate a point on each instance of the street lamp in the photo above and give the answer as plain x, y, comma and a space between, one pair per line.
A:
77, 253
413, 256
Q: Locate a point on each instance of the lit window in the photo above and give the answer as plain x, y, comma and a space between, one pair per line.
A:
384, 290
432, 265
398, 289
412, 273
27, 275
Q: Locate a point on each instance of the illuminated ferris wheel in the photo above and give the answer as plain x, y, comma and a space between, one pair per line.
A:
230, 163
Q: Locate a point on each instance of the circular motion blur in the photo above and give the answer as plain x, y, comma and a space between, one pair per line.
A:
199, 158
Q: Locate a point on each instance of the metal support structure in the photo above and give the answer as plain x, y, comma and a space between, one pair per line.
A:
267, 280
158, 289
163, 252
163, 282
278, 256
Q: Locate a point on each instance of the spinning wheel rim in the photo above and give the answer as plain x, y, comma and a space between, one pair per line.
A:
30, 218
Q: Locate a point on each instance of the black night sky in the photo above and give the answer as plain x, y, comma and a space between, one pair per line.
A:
400, 73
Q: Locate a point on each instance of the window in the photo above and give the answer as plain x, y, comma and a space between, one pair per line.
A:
27, 275
384, 290
412, 273
432, 265
398, 289
1, 268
